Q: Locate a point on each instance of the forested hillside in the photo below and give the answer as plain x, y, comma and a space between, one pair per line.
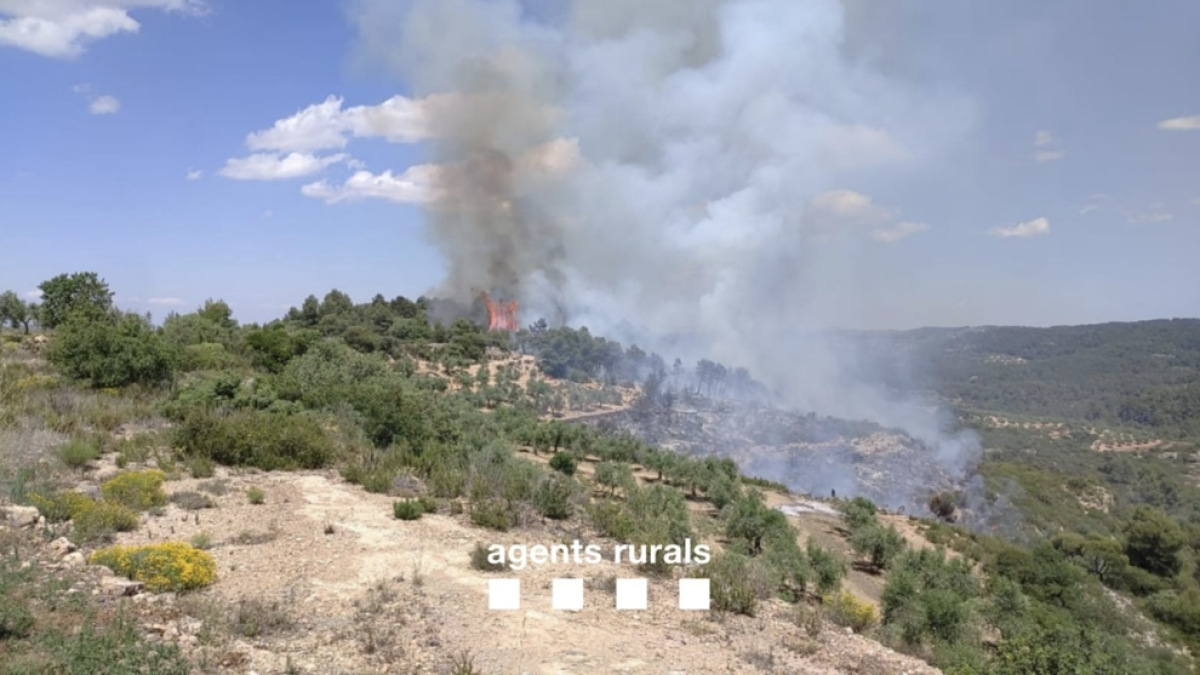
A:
452, 422
1144, 374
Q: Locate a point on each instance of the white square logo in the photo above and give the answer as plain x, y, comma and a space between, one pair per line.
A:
693, 594
504, 594
568, 594
631, 594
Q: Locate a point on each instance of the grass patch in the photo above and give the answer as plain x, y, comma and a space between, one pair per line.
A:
79, 452
256, 496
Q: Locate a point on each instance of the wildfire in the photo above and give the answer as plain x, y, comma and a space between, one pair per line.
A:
501, 315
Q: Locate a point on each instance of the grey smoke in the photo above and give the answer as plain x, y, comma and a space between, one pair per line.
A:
704, 133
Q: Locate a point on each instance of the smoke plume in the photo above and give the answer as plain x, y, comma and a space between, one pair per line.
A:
681, 164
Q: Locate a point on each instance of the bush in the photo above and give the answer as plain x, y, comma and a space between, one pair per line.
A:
828, 569
611, 519
15, 620
553, 497
62, 506
407, 509
138, 490
613, 475
736, 583
201, 540
108, 352
256, 496
858, 512
479, 560
879, 544
208, 356
494, 514
190, 500
171, 566
1153, 541
77, 452
845, 609
564, 463
201, 467
268, 441
102, 520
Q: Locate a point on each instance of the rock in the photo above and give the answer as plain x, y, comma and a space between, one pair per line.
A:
22, 516
62, 546
119, 586
75, 559
90, 489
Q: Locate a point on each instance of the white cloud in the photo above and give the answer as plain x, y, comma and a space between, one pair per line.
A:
196, 174
104, 105
35, 294
326, 126
172, 302
276, 166
1181, 124
840, 208
317, 127
1047, 147
1033, 228
417, 185
64, 28
903, 230
1157, 214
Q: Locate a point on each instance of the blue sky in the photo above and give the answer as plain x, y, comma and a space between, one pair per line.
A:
1084, 149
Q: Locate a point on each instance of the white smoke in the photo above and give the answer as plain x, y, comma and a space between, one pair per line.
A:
703, 150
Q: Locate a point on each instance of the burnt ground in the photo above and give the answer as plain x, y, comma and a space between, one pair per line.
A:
807, 453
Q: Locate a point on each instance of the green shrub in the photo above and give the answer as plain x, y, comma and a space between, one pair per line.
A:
879, 544
564, 463
553, 497
736, 583
201, 540
265, 440
208, 356
407, 509
858, 512
170, 566
611, 519
77, 452
201, 467
749, 521
494, 514
62, 506
614, 475
111, 352
103, 519
16, 621
828, 569
138, 490
479, 560
255, 495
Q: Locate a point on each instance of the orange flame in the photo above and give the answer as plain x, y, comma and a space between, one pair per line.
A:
501, 315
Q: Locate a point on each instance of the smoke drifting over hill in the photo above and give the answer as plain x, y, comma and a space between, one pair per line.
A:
676, 163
